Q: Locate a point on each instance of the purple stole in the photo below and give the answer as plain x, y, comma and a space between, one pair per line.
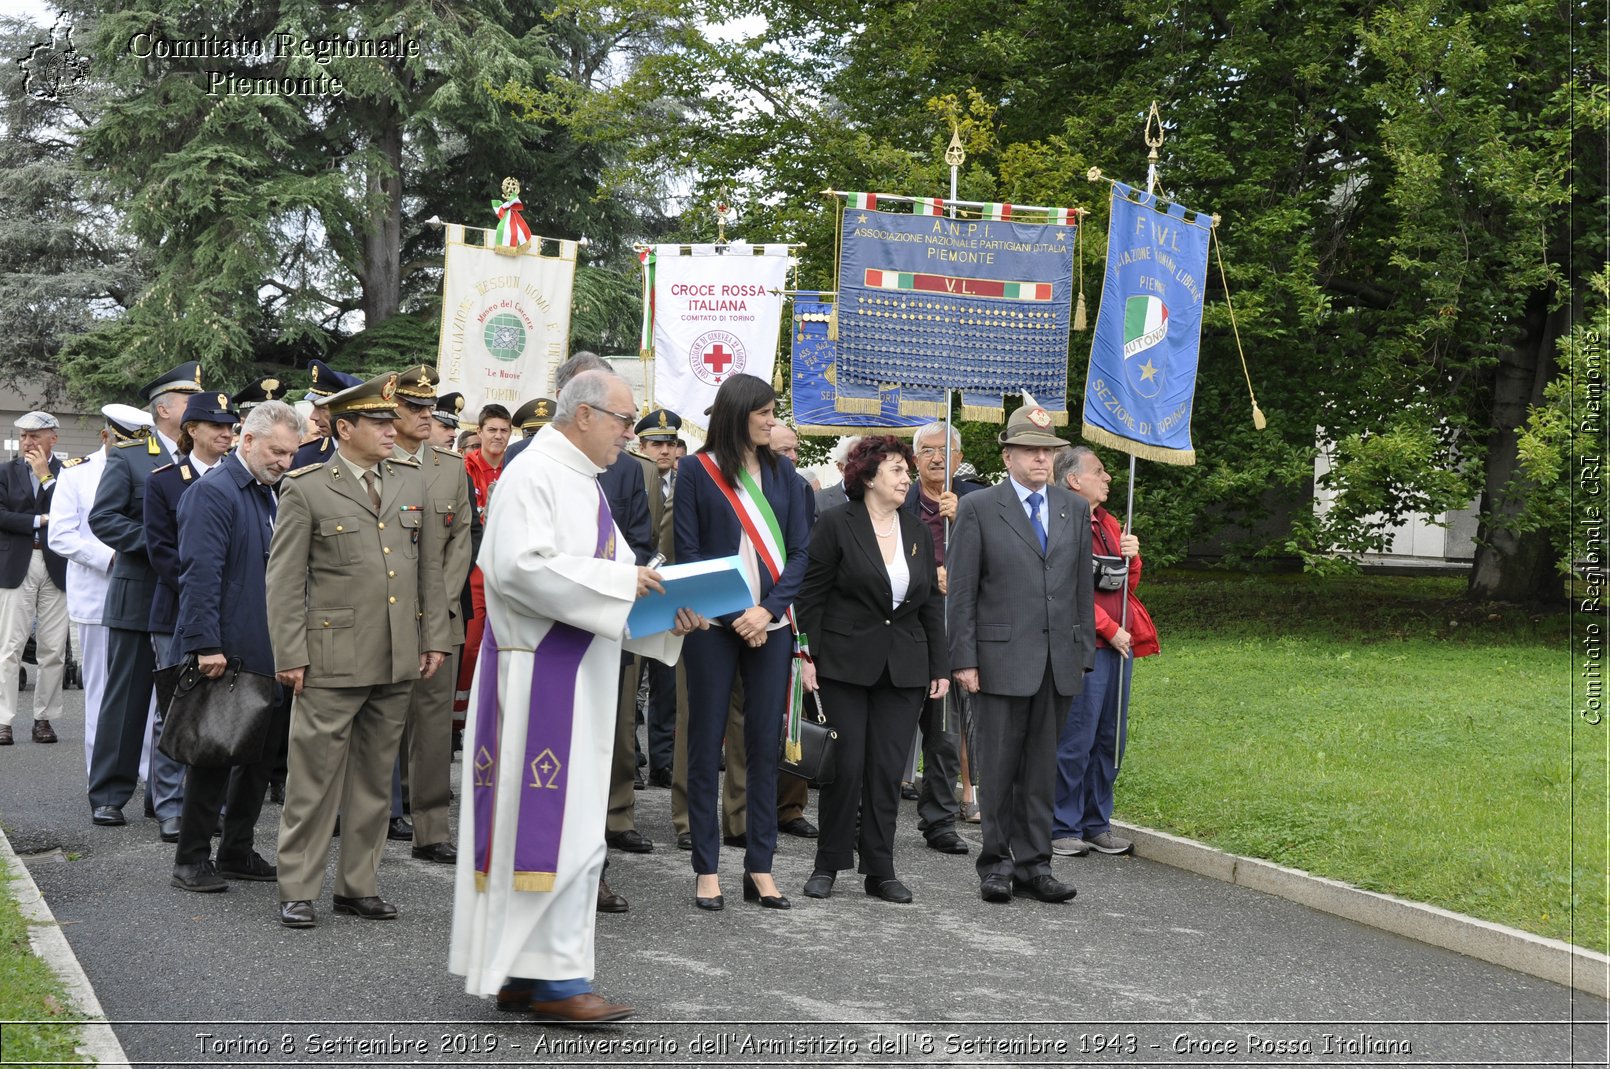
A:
544, 775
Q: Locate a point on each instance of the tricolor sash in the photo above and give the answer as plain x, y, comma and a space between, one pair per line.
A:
759, 522
550, 723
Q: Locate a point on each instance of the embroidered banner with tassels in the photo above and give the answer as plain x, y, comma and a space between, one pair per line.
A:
979, 304
824, 405
1142, 379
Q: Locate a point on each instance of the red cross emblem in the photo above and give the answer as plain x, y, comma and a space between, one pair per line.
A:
717, 359
715, 355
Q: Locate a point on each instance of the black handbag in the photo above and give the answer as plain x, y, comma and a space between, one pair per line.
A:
817, 741
214, 723
1111, 573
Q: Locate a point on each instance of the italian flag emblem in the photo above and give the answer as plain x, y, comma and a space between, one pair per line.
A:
999, 213
864, 201
928, 206
1145, 324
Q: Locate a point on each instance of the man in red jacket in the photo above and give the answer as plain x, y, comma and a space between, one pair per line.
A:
1091, 745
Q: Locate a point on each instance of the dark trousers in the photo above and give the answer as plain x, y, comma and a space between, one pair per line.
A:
874, 725
125, 707
660, 716
1090, 749
1018, 737
238, 790
937, 807
715, 658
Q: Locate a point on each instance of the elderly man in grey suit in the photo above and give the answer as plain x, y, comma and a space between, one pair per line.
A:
1022, 636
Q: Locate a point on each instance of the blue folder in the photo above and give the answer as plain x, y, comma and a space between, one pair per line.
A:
709, 587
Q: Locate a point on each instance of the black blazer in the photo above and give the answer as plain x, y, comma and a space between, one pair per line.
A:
18, 507
844, 604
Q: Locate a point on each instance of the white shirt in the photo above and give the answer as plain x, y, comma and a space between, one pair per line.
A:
1023, 493
899, 577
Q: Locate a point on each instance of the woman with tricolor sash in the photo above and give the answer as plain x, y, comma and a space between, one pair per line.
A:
737, 498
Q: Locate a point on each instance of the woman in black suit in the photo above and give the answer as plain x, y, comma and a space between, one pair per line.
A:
873, 611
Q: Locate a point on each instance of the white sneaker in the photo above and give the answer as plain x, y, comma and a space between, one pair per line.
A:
1108, 843
1070, 847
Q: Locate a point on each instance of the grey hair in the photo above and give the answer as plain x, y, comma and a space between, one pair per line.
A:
269, 414
841, 449
932, 430
591, 388
170, 397
1068, 461
582, 361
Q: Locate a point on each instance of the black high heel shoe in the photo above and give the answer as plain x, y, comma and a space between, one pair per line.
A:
712, 904
752, 894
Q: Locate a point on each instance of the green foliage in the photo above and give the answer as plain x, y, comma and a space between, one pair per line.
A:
30, 992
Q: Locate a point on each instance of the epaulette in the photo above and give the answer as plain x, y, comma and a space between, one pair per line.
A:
74, 462
303, 470
446, 452
131, 443
409, 461
164, 467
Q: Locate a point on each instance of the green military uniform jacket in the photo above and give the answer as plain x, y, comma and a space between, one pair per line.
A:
448, 487
355, 595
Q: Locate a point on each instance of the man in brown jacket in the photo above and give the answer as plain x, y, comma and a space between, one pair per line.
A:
357, 617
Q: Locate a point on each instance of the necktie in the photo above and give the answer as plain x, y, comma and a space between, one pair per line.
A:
1034, 518
371, 482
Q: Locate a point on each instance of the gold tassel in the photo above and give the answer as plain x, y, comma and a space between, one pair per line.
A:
794, 752
984, 413
1079, 312
859, 406
777, 378
1258, 422
833, 323
533, 881
928, 409
1102, 436
1079, 255
1059, 419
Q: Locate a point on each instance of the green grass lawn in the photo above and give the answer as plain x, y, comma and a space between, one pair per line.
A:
29, 992
1379, 731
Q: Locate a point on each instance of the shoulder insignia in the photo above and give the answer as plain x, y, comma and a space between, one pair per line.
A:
407, 462
303, 470
131, 443
446, 452
187, 473
74, 462
163, 468
151, 445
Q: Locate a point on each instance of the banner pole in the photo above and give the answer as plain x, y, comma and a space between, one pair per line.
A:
955, 155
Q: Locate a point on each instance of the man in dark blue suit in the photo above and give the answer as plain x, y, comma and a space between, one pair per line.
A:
33, 579
118, 519
226, 523
205, 435
327, 382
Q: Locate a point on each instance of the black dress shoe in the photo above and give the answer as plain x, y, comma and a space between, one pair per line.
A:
908, 791
799, 826
752, 894
1045, 888
609, 901
6, 738
740, 841
629, 841
276, 793
638, 782
401, 829
369, 907
43, 732
440, 853
890, 890
251, 868
659, 777
947, 842
108, 816
168, 830
150, 806
202, 877
298, 914
820, 885
684, 840
995, 888
712, 904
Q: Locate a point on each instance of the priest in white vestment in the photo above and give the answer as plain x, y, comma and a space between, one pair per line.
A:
540, 733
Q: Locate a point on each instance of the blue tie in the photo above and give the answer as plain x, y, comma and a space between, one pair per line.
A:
1034, 518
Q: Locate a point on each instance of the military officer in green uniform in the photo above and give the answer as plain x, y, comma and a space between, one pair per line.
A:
428, 733
357, 616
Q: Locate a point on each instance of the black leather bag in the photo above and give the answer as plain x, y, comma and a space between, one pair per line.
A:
817, 741
214, 723
1110, 572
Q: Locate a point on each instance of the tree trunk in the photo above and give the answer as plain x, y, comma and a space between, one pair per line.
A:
382, 242
1509, 565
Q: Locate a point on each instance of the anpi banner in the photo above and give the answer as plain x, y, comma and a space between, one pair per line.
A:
505, 319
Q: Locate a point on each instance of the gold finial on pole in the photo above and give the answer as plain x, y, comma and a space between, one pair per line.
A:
725, 214
1154, 141
955, 155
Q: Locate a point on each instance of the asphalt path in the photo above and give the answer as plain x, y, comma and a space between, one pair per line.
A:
1149, 965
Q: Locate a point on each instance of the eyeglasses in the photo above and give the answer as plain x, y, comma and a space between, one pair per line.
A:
930, 451
626, 419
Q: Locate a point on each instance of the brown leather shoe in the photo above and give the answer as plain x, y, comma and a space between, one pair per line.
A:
609, 901
5, 735
515, 996
590, 1008
43, 732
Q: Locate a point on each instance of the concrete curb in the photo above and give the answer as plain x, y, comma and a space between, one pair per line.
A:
1548, 959
96, 1040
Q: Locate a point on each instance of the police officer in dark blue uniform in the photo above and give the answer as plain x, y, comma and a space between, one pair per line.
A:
327, 382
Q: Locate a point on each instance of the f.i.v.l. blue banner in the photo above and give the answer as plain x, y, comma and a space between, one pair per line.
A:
1142, 379
980, 305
